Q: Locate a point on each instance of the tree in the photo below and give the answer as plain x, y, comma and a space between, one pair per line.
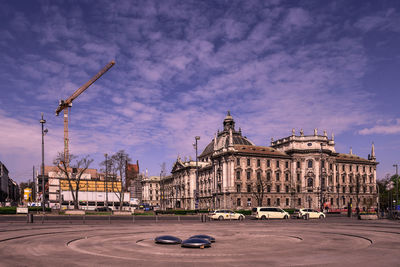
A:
119, 161
259, 188
73, 171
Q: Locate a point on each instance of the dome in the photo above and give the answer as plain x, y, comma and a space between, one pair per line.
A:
222, 140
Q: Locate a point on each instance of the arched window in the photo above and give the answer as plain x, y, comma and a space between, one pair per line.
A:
310, 163
310, 182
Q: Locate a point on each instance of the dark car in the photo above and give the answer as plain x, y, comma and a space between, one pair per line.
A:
103, 209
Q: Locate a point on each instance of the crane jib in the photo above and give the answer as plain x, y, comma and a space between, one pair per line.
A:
67, 103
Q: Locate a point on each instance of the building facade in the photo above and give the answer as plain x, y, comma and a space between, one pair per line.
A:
151, 193
9, 189
293, 172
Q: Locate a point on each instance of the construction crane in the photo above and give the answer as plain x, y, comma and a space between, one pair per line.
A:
65, 104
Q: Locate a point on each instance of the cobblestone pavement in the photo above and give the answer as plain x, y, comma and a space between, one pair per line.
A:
330, 242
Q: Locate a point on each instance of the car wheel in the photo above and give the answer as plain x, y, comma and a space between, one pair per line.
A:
263, 217
304, 217
220, 218
286, 217
321, 216
241, 218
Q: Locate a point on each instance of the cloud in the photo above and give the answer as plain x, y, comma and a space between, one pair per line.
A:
393, 128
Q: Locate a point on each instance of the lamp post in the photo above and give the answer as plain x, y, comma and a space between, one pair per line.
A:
397, 186
197, 138
321, 181
44, 131
338, 196
105, 179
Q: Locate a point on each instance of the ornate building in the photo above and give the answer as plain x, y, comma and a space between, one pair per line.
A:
293, 172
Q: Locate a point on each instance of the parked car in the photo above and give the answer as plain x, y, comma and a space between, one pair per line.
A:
264, 213
313, 214
225, 215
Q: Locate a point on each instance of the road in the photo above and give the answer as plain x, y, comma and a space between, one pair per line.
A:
335, 241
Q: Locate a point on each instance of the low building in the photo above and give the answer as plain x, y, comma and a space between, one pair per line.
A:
293, 172
95, 190
9, 189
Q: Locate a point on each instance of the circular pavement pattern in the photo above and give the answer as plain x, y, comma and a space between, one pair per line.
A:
250, 243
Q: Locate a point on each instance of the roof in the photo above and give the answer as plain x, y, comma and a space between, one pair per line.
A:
351, 157
260, 150
93, 172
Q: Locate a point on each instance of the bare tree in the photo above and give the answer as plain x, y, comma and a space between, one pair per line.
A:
120, 160
258, 190
73, 173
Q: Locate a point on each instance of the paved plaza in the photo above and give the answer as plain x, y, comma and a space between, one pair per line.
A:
331, 242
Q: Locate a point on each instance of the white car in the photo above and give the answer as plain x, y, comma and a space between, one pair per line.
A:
225, 215
265, 213
313, 214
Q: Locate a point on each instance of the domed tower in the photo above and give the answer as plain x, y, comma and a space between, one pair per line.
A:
226, 139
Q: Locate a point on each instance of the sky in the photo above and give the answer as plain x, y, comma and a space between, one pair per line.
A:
181, 65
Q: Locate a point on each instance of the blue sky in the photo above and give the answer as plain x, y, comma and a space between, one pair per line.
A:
180, 65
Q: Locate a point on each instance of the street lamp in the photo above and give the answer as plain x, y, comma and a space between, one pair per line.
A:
105, 179
44, 132
397, 185
321, 180
197, 138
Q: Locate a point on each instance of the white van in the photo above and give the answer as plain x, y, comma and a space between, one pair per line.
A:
265, 213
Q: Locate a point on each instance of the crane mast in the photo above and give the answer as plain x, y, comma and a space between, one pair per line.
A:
64, 105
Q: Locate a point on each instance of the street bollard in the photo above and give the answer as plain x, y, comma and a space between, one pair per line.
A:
30, 218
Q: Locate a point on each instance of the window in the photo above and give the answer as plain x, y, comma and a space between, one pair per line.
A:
323, 164
351, 189
277, 176
298, 164
287, 202
258, 175
364, 189
238, 189
371, 189
268, 188
278, 201
286, 177
238, 202
344, 201
331, 200
248, 188
299, 202
248, 162
298, 189
351, 167
238, 175
344, 189
248, 175
310, 182
370, 169
278, 188
268, 202
277, 163
268, 163
351, 179
298, 177
249, 202
258, 163
363, 168
343, 167
287, 189
238, 161
337, 167
357, 168
268, 176
287, 164
310, 163
343, 178
331, 166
